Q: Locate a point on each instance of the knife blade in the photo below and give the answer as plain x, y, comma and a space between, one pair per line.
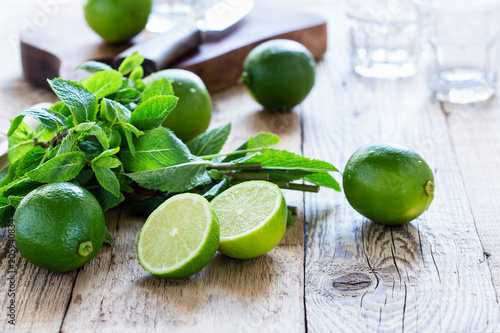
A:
165, 48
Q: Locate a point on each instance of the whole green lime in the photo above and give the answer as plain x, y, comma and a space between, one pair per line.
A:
117, 20
59, 226
388, 183
193, 112
279, 74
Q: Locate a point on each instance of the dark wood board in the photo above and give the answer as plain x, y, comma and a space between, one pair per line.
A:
55, 50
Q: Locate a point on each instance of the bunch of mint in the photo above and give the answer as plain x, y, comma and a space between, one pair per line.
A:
106, 135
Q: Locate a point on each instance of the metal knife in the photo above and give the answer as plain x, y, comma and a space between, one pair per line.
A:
164, 49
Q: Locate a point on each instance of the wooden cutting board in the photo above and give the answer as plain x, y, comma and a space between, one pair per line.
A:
55, 50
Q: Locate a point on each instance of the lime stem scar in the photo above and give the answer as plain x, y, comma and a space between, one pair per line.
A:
429, 188
85, 248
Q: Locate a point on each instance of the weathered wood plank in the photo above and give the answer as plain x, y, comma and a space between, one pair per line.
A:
114, 293
40, 297
429, 275
474, 130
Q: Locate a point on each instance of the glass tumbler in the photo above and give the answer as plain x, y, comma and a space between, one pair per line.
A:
383, 38
461, 38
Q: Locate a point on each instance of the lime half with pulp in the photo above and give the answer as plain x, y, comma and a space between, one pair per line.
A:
252, 217
179, 238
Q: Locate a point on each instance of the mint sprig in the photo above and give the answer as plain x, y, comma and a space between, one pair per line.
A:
106, 135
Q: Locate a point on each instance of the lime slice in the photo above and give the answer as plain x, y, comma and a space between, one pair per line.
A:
252, 217
179, 238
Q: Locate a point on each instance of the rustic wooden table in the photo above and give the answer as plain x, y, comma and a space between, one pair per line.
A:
334, 270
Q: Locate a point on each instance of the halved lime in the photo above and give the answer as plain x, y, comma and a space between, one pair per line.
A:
179, 238
252, 217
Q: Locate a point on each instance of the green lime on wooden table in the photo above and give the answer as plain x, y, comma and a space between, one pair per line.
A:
59, 226
193, 112
179, 238
252, 217
117, 20
279, 74
388, 183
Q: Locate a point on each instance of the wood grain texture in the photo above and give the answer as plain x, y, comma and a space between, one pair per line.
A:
41, 297
430, 275
476, 140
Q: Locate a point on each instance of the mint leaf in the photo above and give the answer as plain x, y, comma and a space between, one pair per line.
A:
20, 142
21, 187
107, 153
81, 102
323, 179
14, 200
4, 172
103, 83
136, 74
93, 129
261, 140
216, 189
59, 169
9, 178
94, 66
50, 121
14, 124
176, 178
107, 179
108, 238
289, 218
68, 143
90, 147
161, 87
157, 148
115, 112
115, 139
147, 206
126, 95
130, 63
31, 160
46, 117
60, 109
211, 142
282, 159
107, 162
6, 214
153, 112
84, 177
128, 138
42, 135
106, 199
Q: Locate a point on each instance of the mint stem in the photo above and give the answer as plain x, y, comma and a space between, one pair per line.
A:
237, 152
235, 167
58, 137
247, 175
297, 187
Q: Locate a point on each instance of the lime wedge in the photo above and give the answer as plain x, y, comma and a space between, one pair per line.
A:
252, 217
179, 238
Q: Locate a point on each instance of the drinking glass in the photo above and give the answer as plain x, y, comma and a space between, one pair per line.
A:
383, 38
461, 38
